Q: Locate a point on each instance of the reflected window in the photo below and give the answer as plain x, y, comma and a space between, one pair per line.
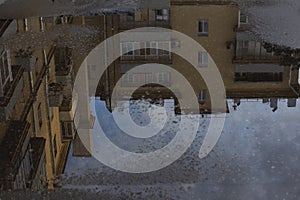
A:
202, 97
40, 119
243, 18
25, 24
92, 72
61, 20
60, 58
144, 50
202, 59
137, 79
136, 48
5, 71
164, 48
126, 48
163, 78
130, 49
203, 27
67, 129
54, 146
162, 15
245, 44
127, 80
42, 24
127, 17
154, 48
27, 164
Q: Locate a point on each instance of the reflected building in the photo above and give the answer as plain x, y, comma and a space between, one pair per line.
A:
35, 130
37, 109
250, 71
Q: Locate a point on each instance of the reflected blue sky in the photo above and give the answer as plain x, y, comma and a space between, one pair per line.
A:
257, 153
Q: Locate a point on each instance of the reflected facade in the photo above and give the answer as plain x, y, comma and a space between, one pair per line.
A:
249, 69
37, 123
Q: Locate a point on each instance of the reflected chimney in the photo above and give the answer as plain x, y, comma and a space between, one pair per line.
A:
292, 103
274, 104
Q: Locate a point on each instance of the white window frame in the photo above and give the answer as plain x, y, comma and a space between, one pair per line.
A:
127, 17
203, 31
136, 49
203, 59
127, 79
153, 48
241, 15
163, 77
135, 79
92, 72
132, 47
202, 96
165, 52
67, 129
149, 77
164, 16
128, 47
130, 80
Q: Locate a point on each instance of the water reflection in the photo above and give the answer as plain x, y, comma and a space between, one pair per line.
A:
256, 155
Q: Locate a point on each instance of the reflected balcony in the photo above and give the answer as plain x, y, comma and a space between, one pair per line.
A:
14, 154
63, 61
68, 130
11, 93
55, 94
139, 24
154, 14
67, 108
64, 75
167, 58
250, 49
27, 62
294, 79
22, 158
38, 171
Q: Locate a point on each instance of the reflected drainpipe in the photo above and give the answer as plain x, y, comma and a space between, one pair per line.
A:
48, 116
291, 84
32, 90
274, 104
31, 85
108, 99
